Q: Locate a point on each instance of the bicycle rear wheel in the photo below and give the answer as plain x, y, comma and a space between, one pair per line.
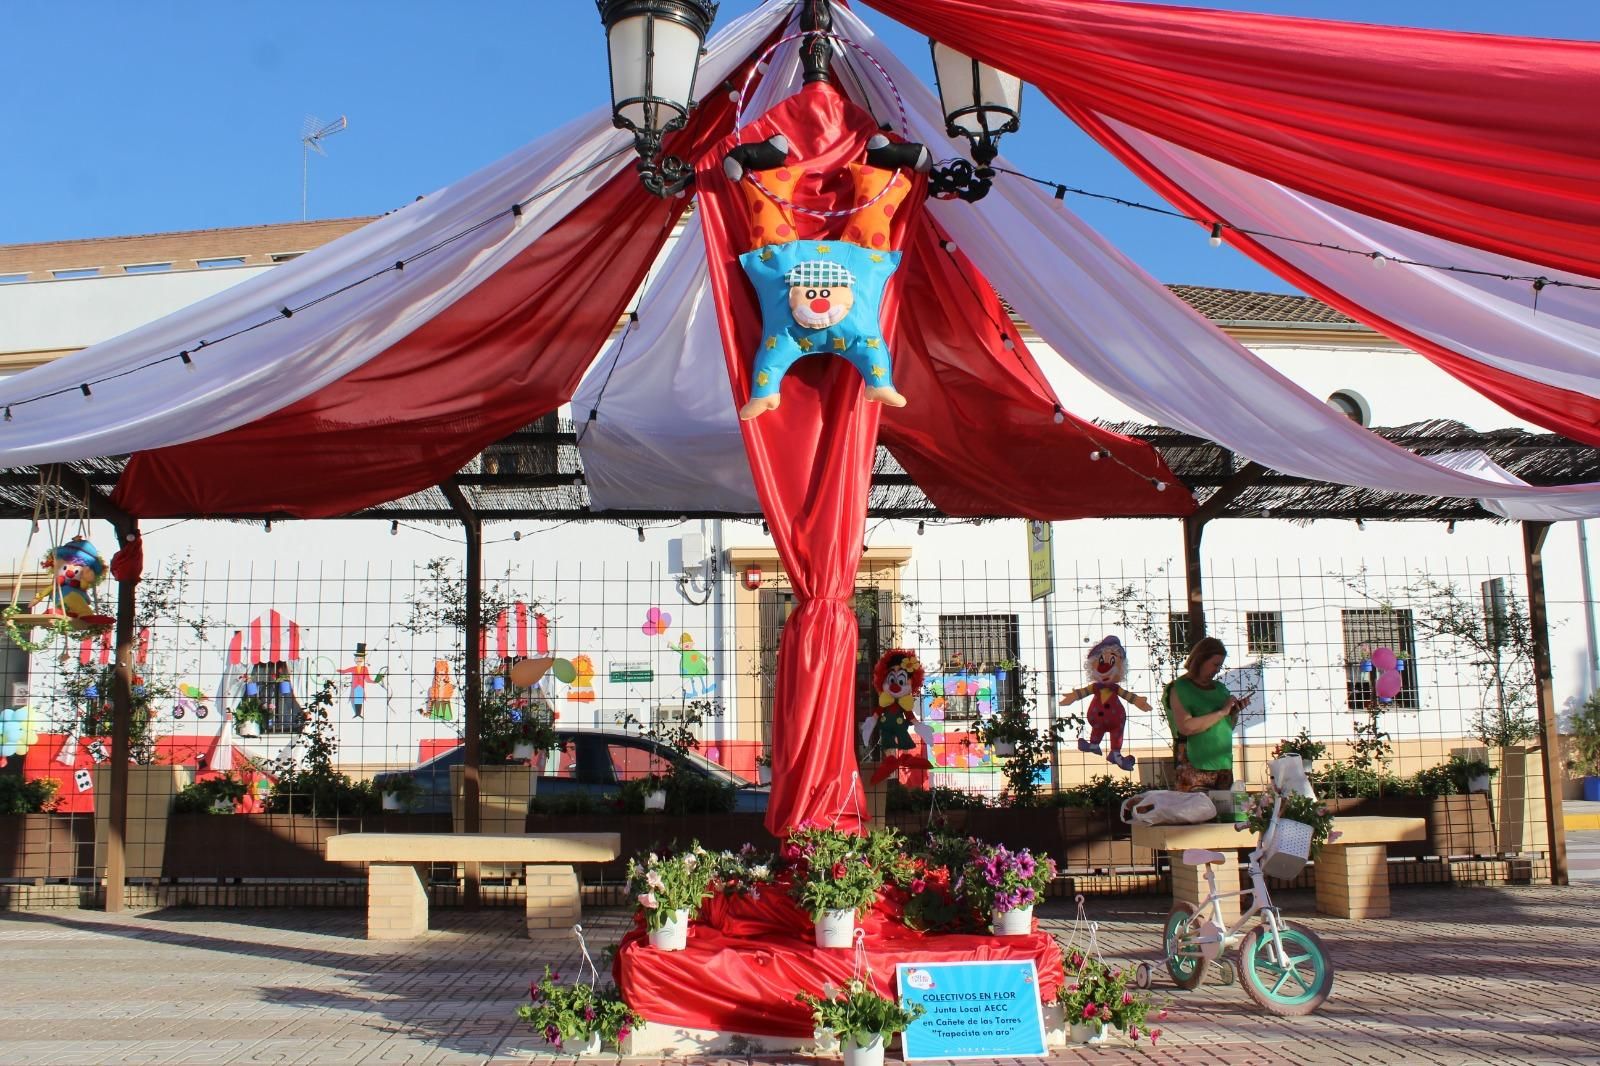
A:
1185, 962
1298, 988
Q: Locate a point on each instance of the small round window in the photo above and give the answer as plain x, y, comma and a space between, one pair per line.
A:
1352, 405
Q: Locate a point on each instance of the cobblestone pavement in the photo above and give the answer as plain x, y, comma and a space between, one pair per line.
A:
1459, 975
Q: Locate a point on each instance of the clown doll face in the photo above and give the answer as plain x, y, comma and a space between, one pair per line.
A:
897, 682
1106, 664
820, 306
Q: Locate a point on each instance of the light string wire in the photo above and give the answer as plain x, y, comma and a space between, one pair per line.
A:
184, 356
1537, 281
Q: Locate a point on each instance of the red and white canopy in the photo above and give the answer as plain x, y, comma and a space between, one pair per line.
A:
1439, 147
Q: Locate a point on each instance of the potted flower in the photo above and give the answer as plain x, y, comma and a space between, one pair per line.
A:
249, 717
1100, 1002
741, 873
1309, 750
764, 767
667, 888
580, 1018
1006, 884
400, 792
1292, 838
860, 1018
1469, 774
834, 881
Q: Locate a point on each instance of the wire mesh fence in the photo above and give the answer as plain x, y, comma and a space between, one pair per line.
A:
278, 703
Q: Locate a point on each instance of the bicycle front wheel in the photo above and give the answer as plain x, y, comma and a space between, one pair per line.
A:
1185, 962
1299, 987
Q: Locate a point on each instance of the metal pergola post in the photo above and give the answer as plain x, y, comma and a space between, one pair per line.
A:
121, 727
1533, 535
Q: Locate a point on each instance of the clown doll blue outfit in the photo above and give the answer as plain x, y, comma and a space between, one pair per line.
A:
1106, 665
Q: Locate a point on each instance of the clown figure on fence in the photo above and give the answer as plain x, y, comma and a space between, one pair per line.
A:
1107, 666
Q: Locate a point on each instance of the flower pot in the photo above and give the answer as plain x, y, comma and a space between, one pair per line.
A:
285, 688
1005, 748
590, 1046
1478, 783
836, 929
247, 727
522, 751
825, 1042
674, 932
1094, 1033
1056, 1029
868, 1054
656, 801
763, 775
1591, 789
1017, 921
252, 689
1310, 765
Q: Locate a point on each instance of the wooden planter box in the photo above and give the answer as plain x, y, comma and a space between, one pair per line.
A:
1457, 825
1096, 838
274, 846
151, 790
53, 847
1036, 828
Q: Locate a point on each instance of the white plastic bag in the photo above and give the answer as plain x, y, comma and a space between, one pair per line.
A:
1168, 808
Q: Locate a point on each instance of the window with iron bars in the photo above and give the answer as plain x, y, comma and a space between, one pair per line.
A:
981, 643
1263, 632
1366, 630
1178, 631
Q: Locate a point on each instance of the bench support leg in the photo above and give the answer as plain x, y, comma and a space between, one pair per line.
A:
1189, 884
397, 902
1353, 881
554, 900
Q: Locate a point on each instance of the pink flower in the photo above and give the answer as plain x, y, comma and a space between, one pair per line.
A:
653, 879
918, 886
1089, 1010
647, 900
1161, 1015
1155, 1034
1073, 987
1077, 960
1127, 998
1133, 1032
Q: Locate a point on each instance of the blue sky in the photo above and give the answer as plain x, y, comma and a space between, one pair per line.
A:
136, 118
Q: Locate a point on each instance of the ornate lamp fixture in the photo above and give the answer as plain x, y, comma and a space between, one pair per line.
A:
654, 48
980, 103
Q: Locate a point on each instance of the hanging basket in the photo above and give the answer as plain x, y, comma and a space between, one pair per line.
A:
1286, 848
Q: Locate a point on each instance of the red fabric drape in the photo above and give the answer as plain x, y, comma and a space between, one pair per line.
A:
1572, 413
746, 959
1490, 141
811, 460
508, 352
979, 435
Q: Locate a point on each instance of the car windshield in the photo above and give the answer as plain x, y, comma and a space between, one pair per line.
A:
716, 770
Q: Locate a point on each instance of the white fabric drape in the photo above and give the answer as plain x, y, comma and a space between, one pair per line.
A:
1149, 349
250, 376
1484, 318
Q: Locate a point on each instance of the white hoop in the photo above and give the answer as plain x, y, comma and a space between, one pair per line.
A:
744, 94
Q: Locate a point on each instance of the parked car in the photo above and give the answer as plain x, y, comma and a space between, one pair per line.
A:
591, 761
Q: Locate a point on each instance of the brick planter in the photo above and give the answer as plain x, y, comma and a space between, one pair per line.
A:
228, 846
48, 847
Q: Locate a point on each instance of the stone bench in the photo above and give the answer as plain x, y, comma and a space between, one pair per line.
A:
397, 899
1352, 874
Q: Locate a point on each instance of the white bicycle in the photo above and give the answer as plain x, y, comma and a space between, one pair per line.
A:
1283, 968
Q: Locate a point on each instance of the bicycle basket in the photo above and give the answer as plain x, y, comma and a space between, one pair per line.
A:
1285, 848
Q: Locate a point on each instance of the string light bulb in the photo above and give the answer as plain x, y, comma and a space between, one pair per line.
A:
641, 534
84, 388
394, 528
1361, 523
1094, 456
1161, 486
1058, 416
267, 525
8, 414
186, 360
1216, 234
765, 532
1451, 526
920, 528
1378, 259
516, 534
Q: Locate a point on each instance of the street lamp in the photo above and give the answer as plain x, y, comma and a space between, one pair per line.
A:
980, 103
654, 50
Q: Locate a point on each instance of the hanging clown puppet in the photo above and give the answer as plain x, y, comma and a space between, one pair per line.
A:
821, 296
1106, 665
898, 680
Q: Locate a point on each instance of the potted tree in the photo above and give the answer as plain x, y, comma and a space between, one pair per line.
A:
860, 1018
1585, 733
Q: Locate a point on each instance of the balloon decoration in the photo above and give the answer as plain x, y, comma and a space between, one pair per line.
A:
19, 729
527, 672
656, 622
1386, 686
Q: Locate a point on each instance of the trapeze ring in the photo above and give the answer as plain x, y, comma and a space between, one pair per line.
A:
744, 95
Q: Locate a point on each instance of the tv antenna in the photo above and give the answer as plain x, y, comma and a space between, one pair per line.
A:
313, 131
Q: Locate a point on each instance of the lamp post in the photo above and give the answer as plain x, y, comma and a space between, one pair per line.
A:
980, 103
654, 50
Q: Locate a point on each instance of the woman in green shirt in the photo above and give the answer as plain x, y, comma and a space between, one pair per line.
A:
1202, 713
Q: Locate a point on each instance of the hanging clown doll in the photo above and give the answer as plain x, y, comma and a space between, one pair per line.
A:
898, 680
1106, 665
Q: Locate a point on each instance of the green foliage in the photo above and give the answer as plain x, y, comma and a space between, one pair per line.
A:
249, 709
1584, 728
305, 781
742, 873
930, 901
508, 718
577, 1012
687, 793
217, 795
832, 871
569, 803
938, 798
404, 789
1034, 745
662, 885
1094, 994
1309, 750
857, 1011
1296, 808
1100, 792
1370, 750
27, 797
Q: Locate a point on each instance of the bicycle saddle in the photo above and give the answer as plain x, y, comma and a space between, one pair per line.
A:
1202, 857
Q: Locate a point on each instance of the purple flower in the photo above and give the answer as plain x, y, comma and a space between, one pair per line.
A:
552, 1035
588, 1013
622, 1034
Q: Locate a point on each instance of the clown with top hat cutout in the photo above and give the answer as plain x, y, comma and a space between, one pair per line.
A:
1107, 666
898, 680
